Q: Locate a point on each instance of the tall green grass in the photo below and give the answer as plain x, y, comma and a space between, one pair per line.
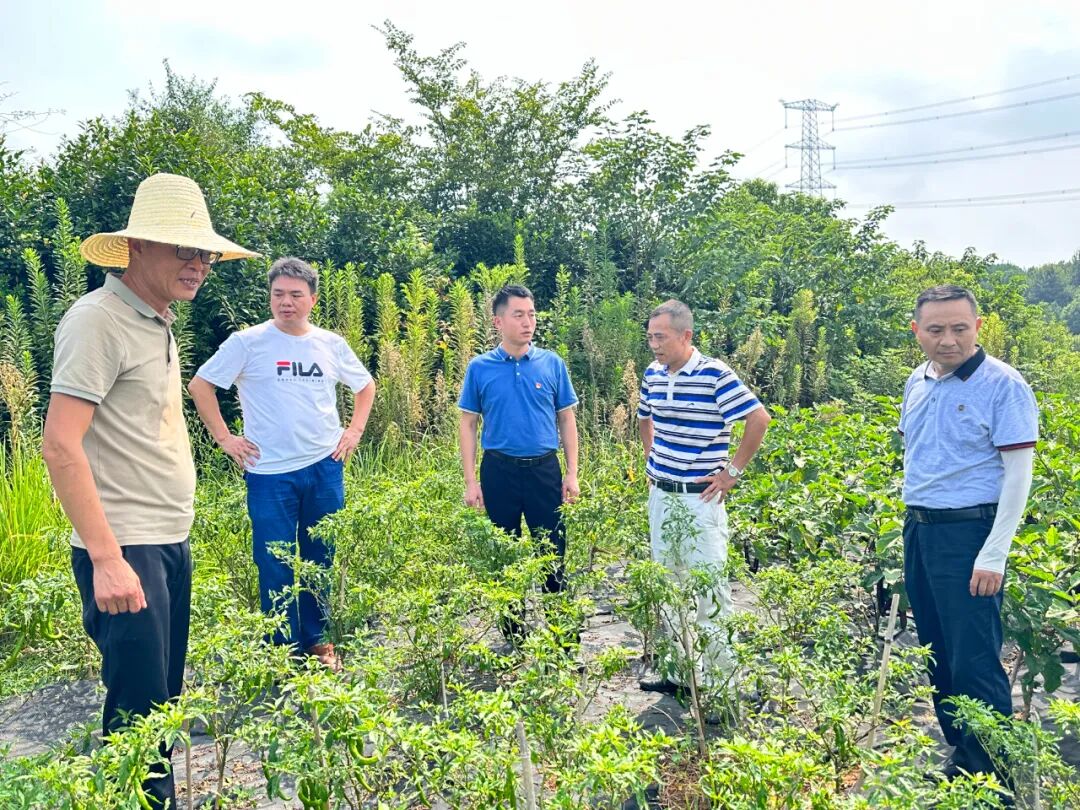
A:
31, 519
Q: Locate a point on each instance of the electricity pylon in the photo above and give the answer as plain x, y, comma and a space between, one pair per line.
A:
811, 145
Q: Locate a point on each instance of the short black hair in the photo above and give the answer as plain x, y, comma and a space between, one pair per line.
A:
945, 292
503, 296
292, 267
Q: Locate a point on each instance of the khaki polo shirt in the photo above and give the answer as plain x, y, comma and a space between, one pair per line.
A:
112, 349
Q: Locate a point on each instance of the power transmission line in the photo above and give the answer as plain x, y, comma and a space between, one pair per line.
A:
1017, 89
943, 116
991, 197
762, 142
992, 204
764, 169
1019, 198
773, 174
887, 158
1004, 203
896, 165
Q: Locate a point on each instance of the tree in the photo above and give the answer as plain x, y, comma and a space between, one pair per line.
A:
1071, 314
644, 188
1050, 284
495, 153
21, 214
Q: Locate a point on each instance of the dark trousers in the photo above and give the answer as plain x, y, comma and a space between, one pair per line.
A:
962, 631
535, 493
142, 654
283, 508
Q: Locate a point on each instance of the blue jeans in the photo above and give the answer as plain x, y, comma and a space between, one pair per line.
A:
283, 508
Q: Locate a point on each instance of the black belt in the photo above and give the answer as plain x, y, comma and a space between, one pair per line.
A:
521, 461
679, 486
984, 511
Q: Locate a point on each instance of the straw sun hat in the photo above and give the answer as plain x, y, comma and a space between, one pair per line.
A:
170, 209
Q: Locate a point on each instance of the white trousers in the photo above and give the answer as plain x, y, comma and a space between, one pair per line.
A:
709, 547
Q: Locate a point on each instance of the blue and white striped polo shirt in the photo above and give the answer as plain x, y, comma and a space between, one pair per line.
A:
692, 411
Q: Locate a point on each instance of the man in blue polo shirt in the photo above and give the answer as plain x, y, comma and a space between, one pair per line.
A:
970, 424
527, 403
687, 407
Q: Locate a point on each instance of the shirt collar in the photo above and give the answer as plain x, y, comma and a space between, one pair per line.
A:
964, 370
690, 365
503, 354
114, 285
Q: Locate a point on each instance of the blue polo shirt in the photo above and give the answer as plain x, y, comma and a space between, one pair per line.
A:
518, 399
955, 428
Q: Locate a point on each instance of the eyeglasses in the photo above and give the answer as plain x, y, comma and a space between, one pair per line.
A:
208, 257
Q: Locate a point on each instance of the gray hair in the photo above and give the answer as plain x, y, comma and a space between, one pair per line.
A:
292, 267
682, 319
946, 292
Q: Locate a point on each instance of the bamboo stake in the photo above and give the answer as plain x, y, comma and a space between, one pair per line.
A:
1036, 787
527, 788
884, 672
187, 764
442, 688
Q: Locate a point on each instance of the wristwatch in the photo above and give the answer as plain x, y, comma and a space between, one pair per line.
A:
732, 470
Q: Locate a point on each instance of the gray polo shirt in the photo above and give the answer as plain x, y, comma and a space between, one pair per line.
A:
955, 428
113, 350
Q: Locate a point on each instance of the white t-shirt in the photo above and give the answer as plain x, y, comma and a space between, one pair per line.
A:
287, 388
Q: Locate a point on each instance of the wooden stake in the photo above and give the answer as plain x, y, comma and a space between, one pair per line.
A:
884, 672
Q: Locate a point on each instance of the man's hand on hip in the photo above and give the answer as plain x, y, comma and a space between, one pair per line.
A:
985, 583
347, 443
116, 587
240, 450
719, 485
474, 496
570, 490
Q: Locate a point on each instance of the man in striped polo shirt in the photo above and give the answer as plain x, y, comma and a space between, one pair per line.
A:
687, 406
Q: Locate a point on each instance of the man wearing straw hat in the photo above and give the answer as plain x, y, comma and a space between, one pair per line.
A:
117, 447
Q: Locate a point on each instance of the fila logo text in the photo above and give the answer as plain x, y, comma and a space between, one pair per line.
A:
295, 368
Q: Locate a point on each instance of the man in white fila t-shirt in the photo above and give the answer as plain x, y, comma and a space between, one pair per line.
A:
293, 451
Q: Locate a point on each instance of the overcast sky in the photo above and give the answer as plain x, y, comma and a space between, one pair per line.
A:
718, 63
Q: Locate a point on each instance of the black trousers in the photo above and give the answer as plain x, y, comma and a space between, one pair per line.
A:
535, 493
962, 631
142, 654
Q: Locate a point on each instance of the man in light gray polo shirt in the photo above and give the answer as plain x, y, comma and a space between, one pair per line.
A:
117, 448
970, 423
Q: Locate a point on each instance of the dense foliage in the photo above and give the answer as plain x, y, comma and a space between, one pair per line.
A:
414, 226
600, 216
